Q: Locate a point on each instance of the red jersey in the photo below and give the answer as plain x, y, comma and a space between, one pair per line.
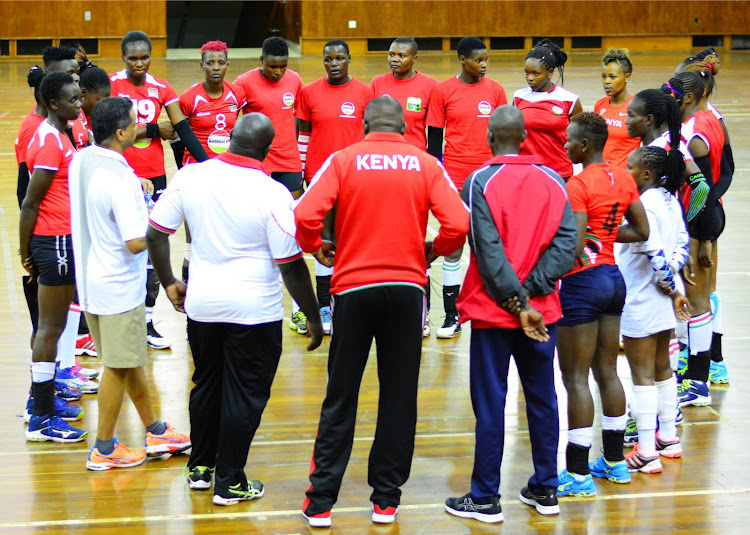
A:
51, 150
277, 101
619, 143
547, 116
706, 126
146, 157
414, 96
335, 112
80, 130
26, 131
604, 193
357, 179
464, 111
211, 119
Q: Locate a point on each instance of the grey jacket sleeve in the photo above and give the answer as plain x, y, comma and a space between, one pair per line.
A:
497, 273
557, 260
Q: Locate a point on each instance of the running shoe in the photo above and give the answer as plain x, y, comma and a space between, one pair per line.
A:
637, 462
679, 418
671, 449
170, 442
88, 373
319, 520
325, 318
121, 457
570, 485
199, 478
384, 514
718, 373
617, 472
486, 510
251, 490
67, 393
545, 504
154, 339
70, 378
299, 322
631, 433
64, 410
693, 392
450, 327
426, 329
52, 428
85, 346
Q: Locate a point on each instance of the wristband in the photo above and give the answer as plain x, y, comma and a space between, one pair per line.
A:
303, 140
152, 130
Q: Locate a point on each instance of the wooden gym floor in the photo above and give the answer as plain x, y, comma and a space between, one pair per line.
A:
46, 487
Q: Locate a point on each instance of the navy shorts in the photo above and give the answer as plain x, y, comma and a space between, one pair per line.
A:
591, 293
292, 181
53, 259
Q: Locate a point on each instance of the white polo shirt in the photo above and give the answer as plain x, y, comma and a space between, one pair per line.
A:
242, 226
107, 209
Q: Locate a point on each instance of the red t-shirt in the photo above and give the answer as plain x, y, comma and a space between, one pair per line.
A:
604, 193
619, 143
414, 96
277, 101
547, 116
146, 157
211, 119
464, 111
52, 150
335, 112
26, 131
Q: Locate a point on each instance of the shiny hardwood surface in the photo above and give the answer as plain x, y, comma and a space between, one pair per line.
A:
46, 487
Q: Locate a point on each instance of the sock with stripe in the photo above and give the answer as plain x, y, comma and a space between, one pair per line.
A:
699, 360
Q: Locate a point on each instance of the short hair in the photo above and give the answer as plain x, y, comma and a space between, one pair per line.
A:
108, 116
276, 46
214, 46
337, 42
135, 36
621, 56
668, 167
94, 79
593, 126
53, 84
550, 55
408, 41
34, 79
54, 54
467, 45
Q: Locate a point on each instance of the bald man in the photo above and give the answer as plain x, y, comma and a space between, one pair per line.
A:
510, 297
243, 237
383, 189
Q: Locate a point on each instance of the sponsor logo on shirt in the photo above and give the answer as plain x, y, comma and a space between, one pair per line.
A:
602, 111
557, 110
288, 100
153, 92
384, 162
218, 141
347, 109
202, 113
233, 107
485, 108
123, 95
413, 104
623, 114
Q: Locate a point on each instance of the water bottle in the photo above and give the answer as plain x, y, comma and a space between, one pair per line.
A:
149, 201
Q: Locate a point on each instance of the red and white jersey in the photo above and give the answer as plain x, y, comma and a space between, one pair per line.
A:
414, 96
464, 111
335, 113
146, 157
52, 150
277, 101
706, 126
26, 131
547, 116
713, 110
619, 143
80, 130
663, 142
211, 119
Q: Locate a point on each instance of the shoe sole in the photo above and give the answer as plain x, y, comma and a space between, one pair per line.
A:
86, 389
36, 436
482, 517
670, 454
101, 467
384, 519
541, 509
220, 500
297, 329
447, 336
581, 494
318, 522
163, 449
158, 346
27, 417
87, 352
611, 478
719, 381
199, 485
699, 402
646, 470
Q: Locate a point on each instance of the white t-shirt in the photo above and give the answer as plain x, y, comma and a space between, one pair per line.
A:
107, 209
241, 225
647, 310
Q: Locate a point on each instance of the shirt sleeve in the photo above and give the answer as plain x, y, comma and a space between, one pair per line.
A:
303, 107
315, 203
502, 98
170, 95
50, 154
168, 213
577, 195
128, 207
436, 111
280, 229
186, 104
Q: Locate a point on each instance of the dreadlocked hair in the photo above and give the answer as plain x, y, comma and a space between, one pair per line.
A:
664, 109
551, 55
668, 166
621, 56
593, 127
707, 69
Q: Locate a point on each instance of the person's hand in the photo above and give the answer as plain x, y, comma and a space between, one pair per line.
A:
166, 130
28, 265
688, 275
512, 305
681, 306
532, 323
704, 254
326, 254
176, 294
429, 252
314, 331
146, 185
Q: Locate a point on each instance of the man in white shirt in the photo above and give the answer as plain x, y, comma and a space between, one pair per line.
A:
242, 229
109, 220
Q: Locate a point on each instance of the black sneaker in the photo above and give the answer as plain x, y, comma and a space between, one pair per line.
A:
545, 503
252, 490
450, 327
199, 478
484, 509
154, 339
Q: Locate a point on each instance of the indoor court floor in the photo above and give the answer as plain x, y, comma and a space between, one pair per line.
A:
45, 487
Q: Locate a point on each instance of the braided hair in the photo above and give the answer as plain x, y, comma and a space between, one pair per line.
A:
668, 166
685, 83
550, 55
708, 69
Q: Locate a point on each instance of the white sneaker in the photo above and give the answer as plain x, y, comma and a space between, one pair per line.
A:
426, 330
154, 339
325, 318
450, 327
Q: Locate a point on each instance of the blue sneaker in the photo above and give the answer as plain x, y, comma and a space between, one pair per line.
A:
693, 392
70, 378
568, 485
617, 473
67, 393
682, 360
679, 418
44, 428
325, 319
63, 409
718, 373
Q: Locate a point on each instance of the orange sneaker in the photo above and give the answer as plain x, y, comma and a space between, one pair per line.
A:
121, 457
171, 441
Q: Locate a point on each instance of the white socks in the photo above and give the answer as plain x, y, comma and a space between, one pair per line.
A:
643, 409
66, 345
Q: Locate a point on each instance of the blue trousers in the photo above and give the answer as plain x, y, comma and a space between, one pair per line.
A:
490, 352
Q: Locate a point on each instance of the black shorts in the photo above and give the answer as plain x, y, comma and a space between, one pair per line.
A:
160, 184
591, 293
53, 259
292, 181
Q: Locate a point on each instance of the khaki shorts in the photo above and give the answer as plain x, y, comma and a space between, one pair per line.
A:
120, 338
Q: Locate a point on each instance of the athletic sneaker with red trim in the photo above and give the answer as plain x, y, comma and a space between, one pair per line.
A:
672, 449
637, 462
85, 346
121, 457
384, 514
318, 520
171, 441
88, 373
